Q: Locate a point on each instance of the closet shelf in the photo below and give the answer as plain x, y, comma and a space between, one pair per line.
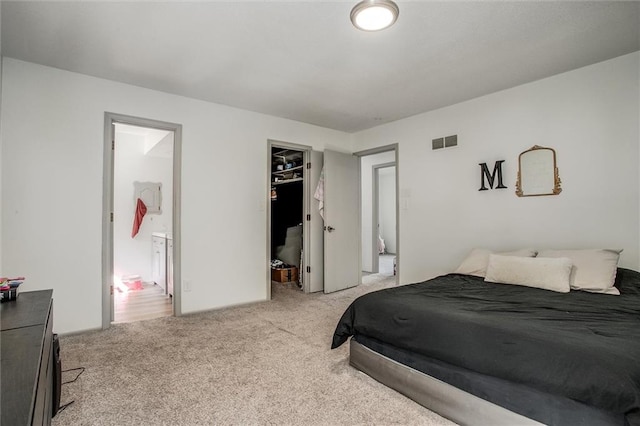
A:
281, 172
287, 181
288, 153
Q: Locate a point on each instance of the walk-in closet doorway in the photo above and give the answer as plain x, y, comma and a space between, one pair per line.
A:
294, 236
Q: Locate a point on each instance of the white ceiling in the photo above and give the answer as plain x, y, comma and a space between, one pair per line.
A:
157, 143
304, 60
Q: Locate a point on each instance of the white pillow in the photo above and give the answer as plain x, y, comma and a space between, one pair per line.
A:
594, 270
546, 273
476, 262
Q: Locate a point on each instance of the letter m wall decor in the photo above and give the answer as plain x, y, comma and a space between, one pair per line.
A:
491, 177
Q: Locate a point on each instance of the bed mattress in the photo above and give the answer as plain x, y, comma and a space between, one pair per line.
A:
581, 346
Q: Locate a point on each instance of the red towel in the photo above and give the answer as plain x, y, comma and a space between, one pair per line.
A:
141, 210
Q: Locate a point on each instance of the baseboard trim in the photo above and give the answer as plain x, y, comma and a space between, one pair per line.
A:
221, 308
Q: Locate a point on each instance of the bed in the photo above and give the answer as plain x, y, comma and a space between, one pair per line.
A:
487, 353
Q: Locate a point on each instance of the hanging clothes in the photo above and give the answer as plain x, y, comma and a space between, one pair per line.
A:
141, 210
319, 193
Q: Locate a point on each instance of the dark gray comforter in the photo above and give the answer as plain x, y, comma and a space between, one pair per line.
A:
579, 345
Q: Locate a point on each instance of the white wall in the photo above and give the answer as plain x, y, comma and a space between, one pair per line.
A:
132, 256
590, 116
366, 195
1, 173
387, 207
52, 131
1, 169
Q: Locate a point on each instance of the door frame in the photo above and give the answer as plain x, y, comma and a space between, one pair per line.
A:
110, 119
385, 148
306, 209
375, 198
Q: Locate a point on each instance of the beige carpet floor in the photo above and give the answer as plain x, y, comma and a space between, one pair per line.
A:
265, 363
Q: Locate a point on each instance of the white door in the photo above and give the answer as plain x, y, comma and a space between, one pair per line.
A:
341, 221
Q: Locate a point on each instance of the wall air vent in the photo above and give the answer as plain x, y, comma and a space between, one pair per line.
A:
445, 142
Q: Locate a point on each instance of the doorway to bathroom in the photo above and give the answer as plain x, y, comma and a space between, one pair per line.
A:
140, 250
142, 224
379, 209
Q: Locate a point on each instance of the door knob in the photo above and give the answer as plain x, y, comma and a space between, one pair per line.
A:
329, 228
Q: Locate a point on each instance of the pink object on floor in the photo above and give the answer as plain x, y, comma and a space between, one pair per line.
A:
134, 285
132, 282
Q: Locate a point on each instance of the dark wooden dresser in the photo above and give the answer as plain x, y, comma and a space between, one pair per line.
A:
27, 365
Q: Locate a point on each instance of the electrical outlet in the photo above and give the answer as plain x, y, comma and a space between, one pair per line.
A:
186, 285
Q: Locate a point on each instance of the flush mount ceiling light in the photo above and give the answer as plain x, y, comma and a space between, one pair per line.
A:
374, 15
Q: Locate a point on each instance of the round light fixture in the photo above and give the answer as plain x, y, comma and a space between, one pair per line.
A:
374, 15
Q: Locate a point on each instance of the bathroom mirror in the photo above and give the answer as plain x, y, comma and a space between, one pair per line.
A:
537, 173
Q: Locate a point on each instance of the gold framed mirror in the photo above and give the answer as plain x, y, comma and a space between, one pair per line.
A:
537, 173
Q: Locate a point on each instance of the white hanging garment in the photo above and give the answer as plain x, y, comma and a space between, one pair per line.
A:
319, 194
